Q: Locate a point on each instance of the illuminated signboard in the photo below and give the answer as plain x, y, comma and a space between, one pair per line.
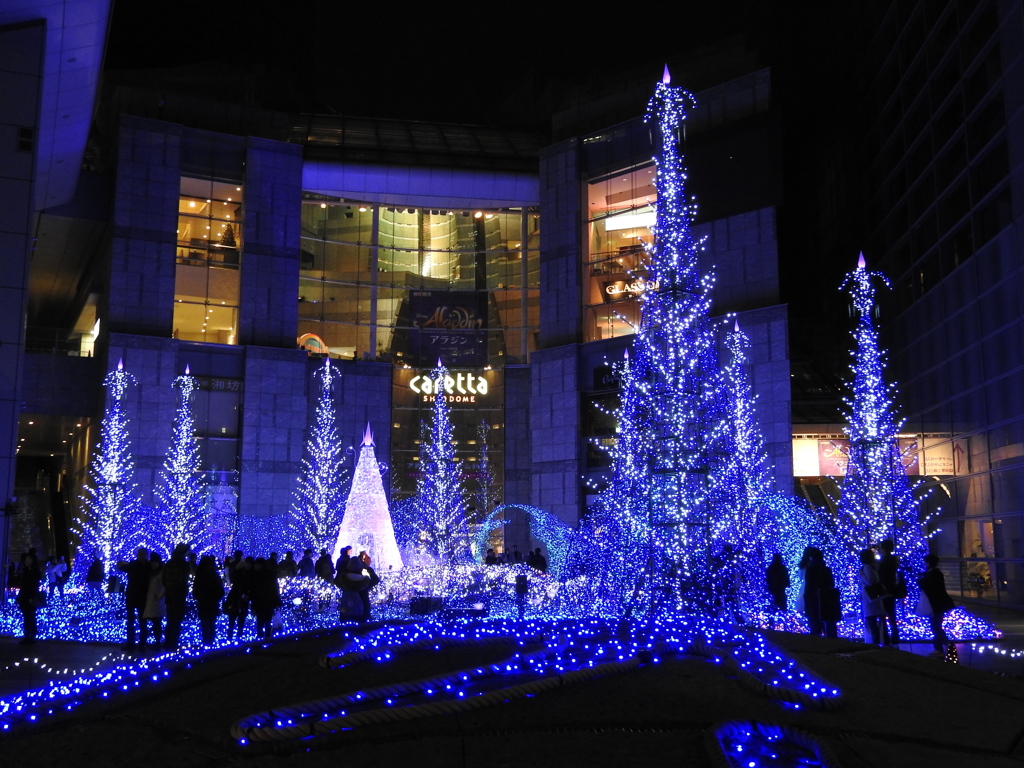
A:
614, 290
638, 286
457, 387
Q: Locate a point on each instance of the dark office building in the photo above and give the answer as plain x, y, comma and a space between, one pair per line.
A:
929, 182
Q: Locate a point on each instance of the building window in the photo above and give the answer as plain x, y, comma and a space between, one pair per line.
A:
620, 212
26, 139
368, 273
216, 404
208, 260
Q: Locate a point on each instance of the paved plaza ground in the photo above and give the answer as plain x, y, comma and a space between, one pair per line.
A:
900, 708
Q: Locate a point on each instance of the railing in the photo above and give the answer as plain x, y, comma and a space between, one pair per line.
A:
58, 341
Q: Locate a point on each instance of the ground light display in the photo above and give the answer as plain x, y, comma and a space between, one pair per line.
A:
682, 534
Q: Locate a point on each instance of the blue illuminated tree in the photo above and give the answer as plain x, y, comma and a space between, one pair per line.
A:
741, 489
109, 529
620, 520
222, 521
440, 498
755, 520
743, 479
676, 386
320, 499
181, 496
690, 510
877, 499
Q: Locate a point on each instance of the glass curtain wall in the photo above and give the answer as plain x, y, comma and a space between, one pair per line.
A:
620, 212
373, 278
208, 260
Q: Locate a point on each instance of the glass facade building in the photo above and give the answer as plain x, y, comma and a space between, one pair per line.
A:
620, 214
936, 166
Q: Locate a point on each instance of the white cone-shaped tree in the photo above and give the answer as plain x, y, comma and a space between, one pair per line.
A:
366, 524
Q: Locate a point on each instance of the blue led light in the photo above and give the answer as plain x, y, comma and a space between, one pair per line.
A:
316, 513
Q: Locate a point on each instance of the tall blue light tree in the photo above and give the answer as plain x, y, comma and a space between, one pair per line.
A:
755, 519
676, 385
743, 481
110, 528
486, 496
440, 499
320, 498
690, 504
877, 499
741, 491
181, 496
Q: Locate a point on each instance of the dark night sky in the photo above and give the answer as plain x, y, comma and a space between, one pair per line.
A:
452, 63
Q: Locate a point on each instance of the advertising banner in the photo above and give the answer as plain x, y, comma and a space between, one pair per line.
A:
451, 325
834, 455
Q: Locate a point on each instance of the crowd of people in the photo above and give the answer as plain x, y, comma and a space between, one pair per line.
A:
156, 591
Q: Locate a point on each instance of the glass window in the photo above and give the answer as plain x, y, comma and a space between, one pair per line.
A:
368, 272
209, 237
621, 214
215, 405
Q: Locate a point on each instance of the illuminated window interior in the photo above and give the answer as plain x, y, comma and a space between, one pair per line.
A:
620, 211
209, 247
362, 262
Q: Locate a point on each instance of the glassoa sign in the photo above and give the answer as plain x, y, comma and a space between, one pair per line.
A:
457, 388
